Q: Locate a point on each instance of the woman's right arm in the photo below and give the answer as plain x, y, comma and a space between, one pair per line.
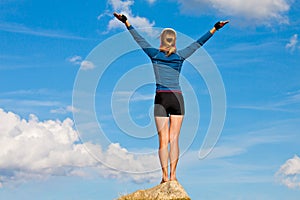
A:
147, 48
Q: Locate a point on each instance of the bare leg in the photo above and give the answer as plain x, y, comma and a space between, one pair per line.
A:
162, 125
175, 126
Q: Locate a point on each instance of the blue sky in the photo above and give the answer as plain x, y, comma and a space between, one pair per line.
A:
50, 142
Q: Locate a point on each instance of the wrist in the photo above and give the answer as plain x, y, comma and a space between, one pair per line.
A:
127, 24
213, 30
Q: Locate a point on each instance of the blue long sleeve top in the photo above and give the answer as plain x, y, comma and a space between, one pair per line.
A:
167, 68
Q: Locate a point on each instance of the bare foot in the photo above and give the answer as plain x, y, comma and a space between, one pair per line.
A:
164, 181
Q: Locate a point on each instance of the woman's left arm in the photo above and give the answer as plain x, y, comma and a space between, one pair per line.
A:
188, 51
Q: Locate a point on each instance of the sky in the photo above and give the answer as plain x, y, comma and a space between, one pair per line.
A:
76, 97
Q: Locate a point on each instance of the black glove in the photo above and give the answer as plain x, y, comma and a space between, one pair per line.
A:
122, 17
220, 24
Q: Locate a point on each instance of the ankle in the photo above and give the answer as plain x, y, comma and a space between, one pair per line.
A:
173, 177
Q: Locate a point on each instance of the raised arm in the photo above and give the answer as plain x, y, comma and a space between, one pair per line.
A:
147, 48
189, 50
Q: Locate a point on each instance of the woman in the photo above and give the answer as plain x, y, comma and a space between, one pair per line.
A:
169, 102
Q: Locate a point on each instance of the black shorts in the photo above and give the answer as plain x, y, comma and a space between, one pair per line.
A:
168, 103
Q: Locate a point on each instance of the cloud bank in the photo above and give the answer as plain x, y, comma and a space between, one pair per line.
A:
247, 13
33, 149
254, 11
289, 173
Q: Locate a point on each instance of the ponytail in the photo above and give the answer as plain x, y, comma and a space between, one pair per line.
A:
168, 41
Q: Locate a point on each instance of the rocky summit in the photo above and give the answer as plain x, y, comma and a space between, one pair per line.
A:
171, 190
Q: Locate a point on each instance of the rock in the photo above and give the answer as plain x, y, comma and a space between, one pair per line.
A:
170, 190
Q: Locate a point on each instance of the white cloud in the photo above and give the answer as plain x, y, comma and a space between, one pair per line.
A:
71, 109
283, 105
224, 151
42, 91
65, 110
132, 96
85, 64
142, 97
29, 103
238, 144
151, 1
121, 5
124, 7
254, 11
33, 149
20, 28
76, 60
292, 43
289, 173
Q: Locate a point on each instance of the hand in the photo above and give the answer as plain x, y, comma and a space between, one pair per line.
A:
120, 17
220, 24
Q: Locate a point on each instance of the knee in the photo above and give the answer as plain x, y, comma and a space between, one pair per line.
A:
173, 138
163, 141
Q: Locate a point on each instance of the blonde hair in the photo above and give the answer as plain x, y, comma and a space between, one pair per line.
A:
168, 41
